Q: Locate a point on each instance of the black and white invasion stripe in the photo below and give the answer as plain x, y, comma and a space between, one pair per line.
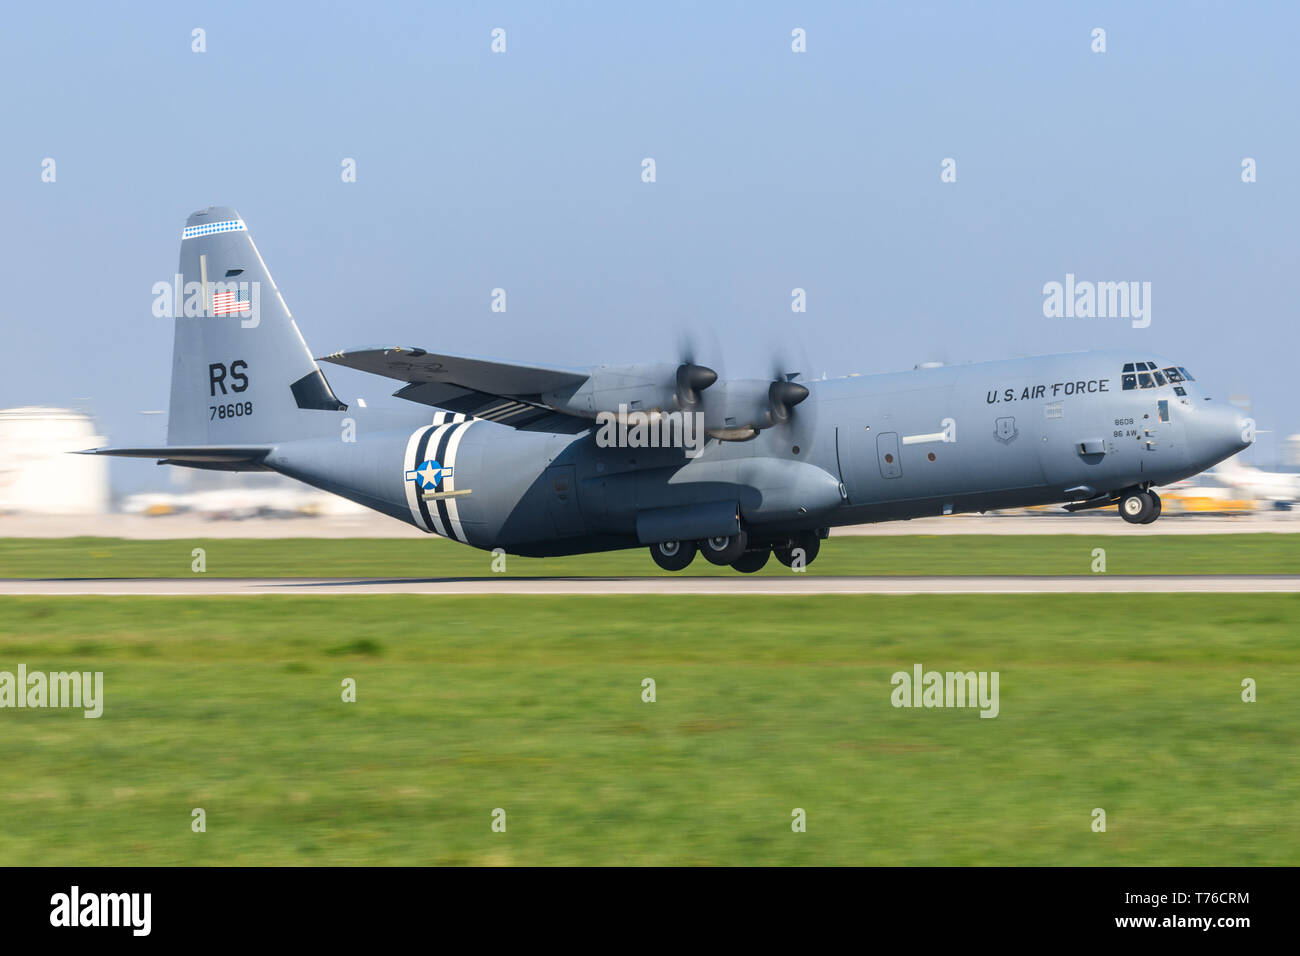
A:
438, 441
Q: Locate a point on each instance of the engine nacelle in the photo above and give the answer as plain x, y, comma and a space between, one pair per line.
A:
740, 409
732, 411
620, 389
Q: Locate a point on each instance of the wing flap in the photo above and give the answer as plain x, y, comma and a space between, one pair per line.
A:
522, 413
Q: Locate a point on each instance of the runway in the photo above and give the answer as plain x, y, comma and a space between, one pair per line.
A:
764, 585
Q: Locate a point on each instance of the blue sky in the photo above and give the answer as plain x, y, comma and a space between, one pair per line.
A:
775, 170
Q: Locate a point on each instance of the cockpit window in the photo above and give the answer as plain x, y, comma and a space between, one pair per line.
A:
1149, 375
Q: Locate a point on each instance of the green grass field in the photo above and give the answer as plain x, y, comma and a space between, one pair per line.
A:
891, 555
1131, 703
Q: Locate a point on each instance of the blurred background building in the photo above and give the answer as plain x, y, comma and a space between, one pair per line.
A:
40, 476
1291, 451
37, 476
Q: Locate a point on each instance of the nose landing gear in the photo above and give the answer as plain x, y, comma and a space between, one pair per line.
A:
1139, 507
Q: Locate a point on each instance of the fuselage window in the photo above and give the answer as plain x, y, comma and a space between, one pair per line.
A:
1163, 406
1179, 390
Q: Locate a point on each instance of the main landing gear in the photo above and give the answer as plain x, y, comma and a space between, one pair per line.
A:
739, 552
673, 555
1139, 507
752, 561
801, 551
725, 550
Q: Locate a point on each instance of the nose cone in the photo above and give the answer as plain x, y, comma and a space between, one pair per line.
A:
1218, 431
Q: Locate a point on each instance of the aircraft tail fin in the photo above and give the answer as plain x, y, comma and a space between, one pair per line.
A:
241, 372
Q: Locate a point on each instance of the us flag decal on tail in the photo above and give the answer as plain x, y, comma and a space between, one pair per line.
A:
233, 302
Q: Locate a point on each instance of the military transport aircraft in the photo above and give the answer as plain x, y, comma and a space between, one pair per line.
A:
543, 460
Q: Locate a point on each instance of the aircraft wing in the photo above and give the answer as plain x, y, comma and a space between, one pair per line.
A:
482, 375
504, 392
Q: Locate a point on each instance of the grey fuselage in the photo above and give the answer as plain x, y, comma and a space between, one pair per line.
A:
932, 441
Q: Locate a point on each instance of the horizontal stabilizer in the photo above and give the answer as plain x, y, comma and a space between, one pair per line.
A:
188, 453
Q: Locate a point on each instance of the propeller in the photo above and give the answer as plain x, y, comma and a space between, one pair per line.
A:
782, 396
691, 380
784, 393
738, 409
691, 377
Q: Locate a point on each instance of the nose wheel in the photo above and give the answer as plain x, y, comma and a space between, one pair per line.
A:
1140, 507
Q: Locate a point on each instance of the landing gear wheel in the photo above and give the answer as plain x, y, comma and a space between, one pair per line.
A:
1136, 507
673, 555
725, 549
1155, 507
809, 544
752, 561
